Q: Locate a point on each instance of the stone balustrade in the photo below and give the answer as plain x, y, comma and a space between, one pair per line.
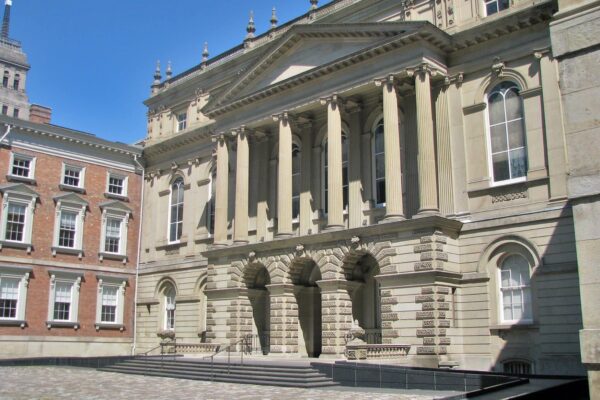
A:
376, 351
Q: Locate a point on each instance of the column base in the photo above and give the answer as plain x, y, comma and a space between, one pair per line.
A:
283, 235
329, 228
426, 213
220, 244
240, 241
392, 218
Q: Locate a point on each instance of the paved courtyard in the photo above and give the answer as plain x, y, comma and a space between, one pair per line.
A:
48, 383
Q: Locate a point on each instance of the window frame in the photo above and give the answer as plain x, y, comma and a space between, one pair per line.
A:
296, 148
169, 307
181, 182
210, 204
22, 195
74, 204
490, 153
124, 178
117, 211
22, 274
74, 279
527, 307
114, 282
179, 121
81, 182
376, 202
498, 10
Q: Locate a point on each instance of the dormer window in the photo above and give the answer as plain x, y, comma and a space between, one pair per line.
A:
494, 6
181, 121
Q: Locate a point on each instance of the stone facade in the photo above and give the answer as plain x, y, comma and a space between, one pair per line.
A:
344, 167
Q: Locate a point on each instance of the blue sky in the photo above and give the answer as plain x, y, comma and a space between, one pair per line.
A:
92, 61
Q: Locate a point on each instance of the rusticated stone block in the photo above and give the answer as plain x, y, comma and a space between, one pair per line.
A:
389, 317
423, 266
443, 290
441, 314
389, 300
423, 298
434, 255
386, 293
387, 324
428, 306
390, 333
329, 318
442, 350
443, 306
425, 315
425, 332
211, 335
387, 340
386, 308
211, 322
429, 341
444, 341
426, 350
427, 290
444, 323
442, 332
429, 323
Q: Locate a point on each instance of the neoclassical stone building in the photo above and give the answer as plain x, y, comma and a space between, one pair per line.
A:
401, 164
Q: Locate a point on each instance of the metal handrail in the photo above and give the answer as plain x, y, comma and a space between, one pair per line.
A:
146, 354
242, 341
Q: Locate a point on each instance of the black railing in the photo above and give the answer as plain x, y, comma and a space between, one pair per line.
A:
260, 343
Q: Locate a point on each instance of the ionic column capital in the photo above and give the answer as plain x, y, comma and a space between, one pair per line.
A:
284, 117
334, 99
423, 69
388, 80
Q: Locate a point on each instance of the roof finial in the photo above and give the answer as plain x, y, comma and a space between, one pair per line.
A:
169, 71
251, 28
205, 54
157, 75
274, 18
314, 4
6, 20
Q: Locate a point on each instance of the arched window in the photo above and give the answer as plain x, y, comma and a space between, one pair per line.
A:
508, 148
176, 211
16, 82
515, 290
325, 179
210, 219
378, 158
296, 166
169, 303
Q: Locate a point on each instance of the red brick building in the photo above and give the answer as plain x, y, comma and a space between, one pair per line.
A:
68, 241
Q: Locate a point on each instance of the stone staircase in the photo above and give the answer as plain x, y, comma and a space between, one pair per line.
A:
283, 373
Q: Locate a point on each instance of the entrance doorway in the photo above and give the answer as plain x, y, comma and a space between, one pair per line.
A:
366, 299
308, 296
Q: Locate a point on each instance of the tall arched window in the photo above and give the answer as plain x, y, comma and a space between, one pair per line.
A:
296, 166
169, 303
378, 158
507, 134
324, 162
210, 214
515, 290
176, 211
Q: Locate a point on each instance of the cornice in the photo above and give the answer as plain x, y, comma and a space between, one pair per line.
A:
188, 138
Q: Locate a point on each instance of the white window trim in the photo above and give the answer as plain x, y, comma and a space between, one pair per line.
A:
81, 176
114, 213
165, 316
80, 210
120, 283
177, 114
177, 241
23, 275
493, 181
73, 278
501, 318
29, 202
125, 179
373, 163
31, 177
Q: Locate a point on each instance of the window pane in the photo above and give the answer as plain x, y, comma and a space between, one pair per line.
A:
379, 141
513, 104
67, 231
492, 8
498, 136
381, 191
503, 4
516, 136
109, 304
62, 300
20, 167
496, 112
518, 163
71, 177
500, 162
505, 276
15, 222
9, 296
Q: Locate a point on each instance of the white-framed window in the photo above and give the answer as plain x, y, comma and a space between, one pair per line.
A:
515, 290
210, 204
495, 6
506, 134
22, 167
18, 205
296, 180
378, 161
115, 221
14, 282
169, 303
176, 211
181, 121
116, 185
325, 178
68, 224
110, 302
73, 176
63, 302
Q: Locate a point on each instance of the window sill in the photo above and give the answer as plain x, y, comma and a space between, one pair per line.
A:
66, 250
111, 326
203, 237
515, 326
112, 256
71, 188
16, 178
166, 245
13, 322
489, 188
62, 324
16, 245
116, 196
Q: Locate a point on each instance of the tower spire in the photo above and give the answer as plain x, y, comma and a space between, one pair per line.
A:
6, 20
274, 18
314, 4
169, 71
205, 54
251, 28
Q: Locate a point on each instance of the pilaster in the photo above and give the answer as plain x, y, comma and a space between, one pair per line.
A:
284, 177
444, 157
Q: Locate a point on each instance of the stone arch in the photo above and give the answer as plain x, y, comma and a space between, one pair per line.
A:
381, 252
296, 140
489, 82
330, 263
509, 244
162, 284
322, 133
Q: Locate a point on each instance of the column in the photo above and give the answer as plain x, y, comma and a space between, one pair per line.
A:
262, 154
335, 197
305, 178
444, 154
355, 203
336, 316
240, 232
428, 196
394, 209
221, 195
284, 176
284, 318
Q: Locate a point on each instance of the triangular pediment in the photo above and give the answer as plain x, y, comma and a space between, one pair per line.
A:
115, 205
18, 188
71, 198
305, 48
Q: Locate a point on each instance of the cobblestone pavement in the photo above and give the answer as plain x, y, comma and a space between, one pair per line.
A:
49, 383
